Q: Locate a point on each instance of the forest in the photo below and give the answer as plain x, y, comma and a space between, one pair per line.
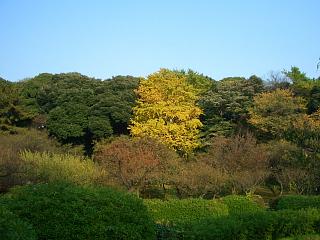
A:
177, 154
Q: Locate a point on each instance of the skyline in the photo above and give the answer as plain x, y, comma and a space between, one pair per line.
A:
103, 39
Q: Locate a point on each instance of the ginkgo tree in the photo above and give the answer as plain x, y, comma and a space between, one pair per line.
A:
166, 110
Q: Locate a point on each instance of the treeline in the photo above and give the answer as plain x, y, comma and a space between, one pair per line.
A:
174, 132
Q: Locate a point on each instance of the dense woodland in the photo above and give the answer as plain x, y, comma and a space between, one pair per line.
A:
174, 131
209, 157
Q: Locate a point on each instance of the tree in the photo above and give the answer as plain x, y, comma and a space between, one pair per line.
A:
199, 179
273, 112
239, 162
136, 163
305, 87
305, 132
81, 110
12, 112
291, 168
200, 82
277, 80
226, 104
166, 110
314, 100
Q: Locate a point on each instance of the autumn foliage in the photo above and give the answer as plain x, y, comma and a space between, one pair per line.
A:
166, 109
136, 163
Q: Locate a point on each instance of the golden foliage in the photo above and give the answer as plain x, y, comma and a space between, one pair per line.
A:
166, 110
273, 112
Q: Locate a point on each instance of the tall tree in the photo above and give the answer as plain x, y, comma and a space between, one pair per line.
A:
274, 112
226, 104
82, 109
12, 112
305, 87
166, 110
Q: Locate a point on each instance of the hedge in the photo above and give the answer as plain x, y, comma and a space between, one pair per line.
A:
298, 202
241, 204
304, 237
13, 228
66, 211
176, 211
259, 225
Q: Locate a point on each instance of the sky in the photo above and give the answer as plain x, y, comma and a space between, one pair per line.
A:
138, 37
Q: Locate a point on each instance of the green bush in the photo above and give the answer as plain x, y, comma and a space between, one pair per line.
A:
262, 225
296, 222
49, 167
174, 211
173, 217
66, 211
226, 228
241, 204
164, 232
253, 226
304, 237
298, 202
13, 228
11, 165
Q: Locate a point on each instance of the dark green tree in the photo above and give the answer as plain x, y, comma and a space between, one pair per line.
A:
226, 104
82, 109
12, 112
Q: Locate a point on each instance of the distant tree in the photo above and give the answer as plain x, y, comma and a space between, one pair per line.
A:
12, 112
198, 178
240, 161
81, 110
226, 104
305, 132
200, 82
277, 80
30, 89
273, 112
314, 100
166, 110
305, 87
136, 163
288, 167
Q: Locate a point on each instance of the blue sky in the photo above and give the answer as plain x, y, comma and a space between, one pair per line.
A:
137, 37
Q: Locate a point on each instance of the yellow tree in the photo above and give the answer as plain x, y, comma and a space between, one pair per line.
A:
274, 112
166, 110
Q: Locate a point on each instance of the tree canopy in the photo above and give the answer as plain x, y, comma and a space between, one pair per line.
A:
166, 109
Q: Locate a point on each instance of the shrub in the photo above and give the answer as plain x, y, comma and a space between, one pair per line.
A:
258, 225
173, 212
262, 225
241, 204
298, 202
197, 178
47, 167
31, 139
164, 232
296, 222
226, 228
304, 237
241, 158
291, 169
134, 163
66, 211
13, 228
11, 145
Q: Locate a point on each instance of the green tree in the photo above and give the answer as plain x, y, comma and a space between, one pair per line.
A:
226, 104
305, 87
81, 110
166, 110
12, 113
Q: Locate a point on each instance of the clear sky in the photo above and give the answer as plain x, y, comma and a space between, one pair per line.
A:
137, 37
